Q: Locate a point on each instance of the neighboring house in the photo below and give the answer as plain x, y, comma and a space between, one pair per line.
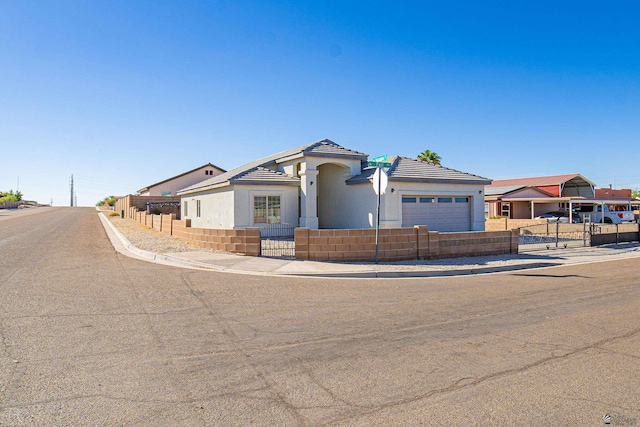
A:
170, 186
325, 185
525, 198
617, 200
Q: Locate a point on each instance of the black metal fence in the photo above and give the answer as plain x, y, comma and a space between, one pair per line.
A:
553, 235
277, 241
605, 234
561, 235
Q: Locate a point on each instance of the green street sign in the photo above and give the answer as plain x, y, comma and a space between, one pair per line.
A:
380, 164
379, 159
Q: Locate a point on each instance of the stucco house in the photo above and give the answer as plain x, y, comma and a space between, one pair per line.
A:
324, 185
170, 186
526, 198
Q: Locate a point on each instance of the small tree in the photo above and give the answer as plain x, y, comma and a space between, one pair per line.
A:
110, 201
10, 196
429, 157
635, 194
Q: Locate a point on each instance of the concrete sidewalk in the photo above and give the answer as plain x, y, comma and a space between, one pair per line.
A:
238, 264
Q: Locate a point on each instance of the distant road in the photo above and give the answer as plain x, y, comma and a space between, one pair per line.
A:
6, 214
92, 337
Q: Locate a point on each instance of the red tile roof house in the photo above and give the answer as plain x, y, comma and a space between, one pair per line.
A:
526, 198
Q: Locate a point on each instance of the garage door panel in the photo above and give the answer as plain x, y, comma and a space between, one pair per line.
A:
441, 213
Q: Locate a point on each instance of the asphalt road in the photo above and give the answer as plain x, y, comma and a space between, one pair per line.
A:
91, 337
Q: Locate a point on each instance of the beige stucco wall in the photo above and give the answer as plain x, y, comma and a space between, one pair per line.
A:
232, 206
392, 217
359, 208
214, 207
181, 182
244, 203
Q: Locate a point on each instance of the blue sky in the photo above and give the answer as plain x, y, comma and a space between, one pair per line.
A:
123, 94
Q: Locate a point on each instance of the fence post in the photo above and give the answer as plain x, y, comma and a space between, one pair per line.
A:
617, 234
557, 233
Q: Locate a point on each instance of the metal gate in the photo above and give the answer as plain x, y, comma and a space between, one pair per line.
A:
553, 235
276, 240
560, 235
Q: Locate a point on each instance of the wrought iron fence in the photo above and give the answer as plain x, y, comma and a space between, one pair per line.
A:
553, 235
276, 240
603, 234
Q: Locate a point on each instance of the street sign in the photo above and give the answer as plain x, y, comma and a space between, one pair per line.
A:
380, 181
380, 164
379, 159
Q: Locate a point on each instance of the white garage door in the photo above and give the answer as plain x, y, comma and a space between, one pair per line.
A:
440, 213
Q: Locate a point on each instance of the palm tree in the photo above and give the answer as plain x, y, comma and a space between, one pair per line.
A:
429, 157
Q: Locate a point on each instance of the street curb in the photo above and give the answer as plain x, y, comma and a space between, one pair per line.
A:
177, 262
128, 249
150, 256
418, 274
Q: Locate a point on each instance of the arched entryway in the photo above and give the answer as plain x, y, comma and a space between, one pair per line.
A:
332, 195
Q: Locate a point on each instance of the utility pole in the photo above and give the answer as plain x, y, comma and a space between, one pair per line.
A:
71, 186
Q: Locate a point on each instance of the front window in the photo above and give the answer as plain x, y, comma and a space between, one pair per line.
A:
506, 209
266, 210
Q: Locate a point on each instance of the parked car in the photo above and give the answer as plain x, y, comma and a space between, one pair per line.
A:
560, 216
610, 217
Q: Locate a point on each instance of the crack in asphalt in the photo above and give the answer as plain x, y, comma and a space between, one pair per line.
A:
233, 339
507, 372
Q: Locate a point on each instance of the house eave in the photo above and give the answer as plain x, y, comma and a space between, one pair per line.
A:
260, 183
201, 189
333, 156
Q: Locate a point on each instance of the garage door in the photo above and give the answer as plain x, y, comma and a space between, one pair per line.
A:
440, 213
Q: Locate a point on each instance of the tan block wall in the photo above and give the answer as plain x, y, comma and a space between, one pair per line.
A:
131, 204
477, 244
243, 241
501, 224
356, 244
398, 244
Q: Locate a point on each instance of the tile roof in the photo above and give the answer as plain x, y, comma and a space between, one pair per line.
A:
405, 169
322, 148
328, 148
539, 181
498, 191
263, 175
142, 190
505, 191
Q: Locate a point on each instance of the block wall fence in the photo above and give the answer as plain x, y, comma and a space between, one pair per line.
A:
498, 224
131, 204
398, 244
395, 244
244, 241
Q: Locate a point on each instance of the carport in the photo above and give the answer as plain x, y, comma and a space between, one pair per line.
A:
598, 202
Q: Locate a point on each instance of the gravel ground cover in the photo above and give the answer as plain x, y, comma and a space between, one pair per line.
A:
152, 240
